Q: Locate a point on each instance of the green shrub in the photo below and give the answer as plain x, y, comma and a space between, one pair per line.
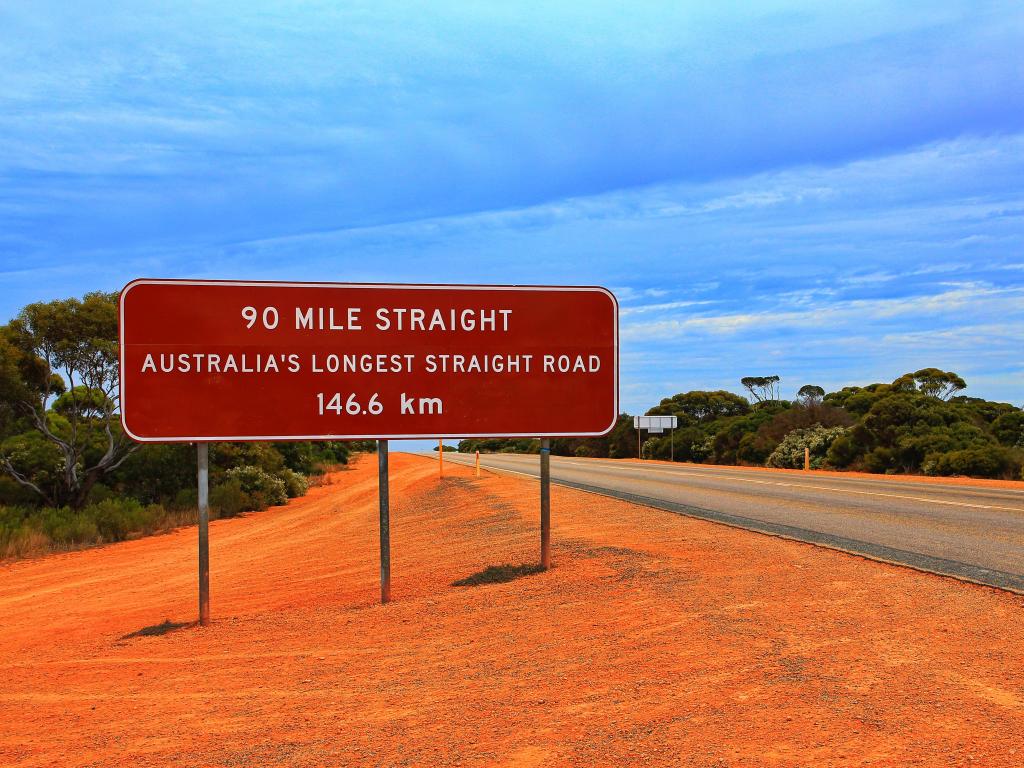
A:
703, 450
115, 519
14, 527
156, 473
1008, 429
306, 458
228, 499
247, 491
987, 461
13, 494
259, 484
294, 483
64, 526
240, 455
879, 460
20, 534
101, 492
755, 448
843, 451
186, 498
818, 439
25, 531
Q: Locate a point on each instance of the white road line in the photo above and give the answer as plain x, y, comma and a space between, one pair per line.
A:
807, 487
682, 469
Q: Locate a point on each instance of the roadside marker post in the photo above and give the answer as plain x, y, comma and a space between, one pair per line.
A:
385, 521
807, 459
204, 361
478, 463
203, 456
545, 503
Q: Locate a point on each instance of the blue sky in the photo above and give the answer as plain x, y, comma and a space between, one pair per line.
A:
828, 192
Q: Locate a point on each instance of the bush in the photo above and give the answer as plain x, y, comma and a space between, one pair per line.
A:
263, 487
108, 521
843, 451
880, 460
100, 492
155, 473
790, 452
186, 498
13, 529
703, 450
1008, 429
115, 519
294, 484
228, 499
19, 537
755, 448
64, 526
112, 515
987, 461
248, 489
239, 455
25, 531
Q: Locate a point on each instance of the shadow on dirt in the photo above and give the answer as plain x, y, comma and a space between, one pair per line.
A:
158, 629
498, 574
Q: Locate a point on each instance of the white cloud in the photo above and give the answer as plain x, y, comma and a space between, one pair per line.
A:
966, 300
646, 308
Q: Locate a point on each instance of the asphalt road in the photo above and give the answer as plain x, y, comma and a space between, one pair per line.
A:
970, 532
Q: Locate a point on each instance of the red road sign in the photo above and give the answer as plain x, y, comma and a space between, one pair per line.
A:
219, 360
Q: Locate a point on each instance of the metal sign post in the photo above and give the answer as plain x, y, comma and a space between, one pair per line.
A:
203, 453
385, 522
545, 503
440, 458
655, 425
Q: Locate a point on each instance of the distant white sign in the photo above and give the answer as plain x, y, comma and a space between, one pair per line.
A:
655, 424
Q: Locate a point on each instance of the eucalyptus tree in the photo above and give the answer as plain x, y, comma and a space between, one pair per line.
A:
761, 388
59, 398
810, 394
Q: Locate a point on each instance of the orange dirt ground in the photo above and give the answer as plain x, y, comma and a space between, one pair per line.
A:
655, 640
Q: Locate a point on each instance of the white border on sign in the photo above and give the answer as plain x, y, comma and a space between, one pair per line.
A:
372, 286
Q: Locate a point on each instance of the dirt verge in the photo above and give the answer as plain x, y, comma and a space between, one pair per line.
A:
655, 640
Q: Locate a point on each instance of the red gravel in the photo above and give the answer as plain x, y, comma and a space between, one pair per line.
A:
655, 640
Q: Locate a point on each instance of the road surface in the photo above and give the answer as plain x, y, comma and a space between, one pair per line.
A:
970, 532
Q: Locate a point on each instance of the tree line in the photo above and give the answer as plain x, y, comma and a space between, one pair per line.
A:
917, 424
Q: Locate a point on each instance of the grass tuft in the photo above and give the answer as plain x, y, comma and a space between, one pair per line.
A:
498, 574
